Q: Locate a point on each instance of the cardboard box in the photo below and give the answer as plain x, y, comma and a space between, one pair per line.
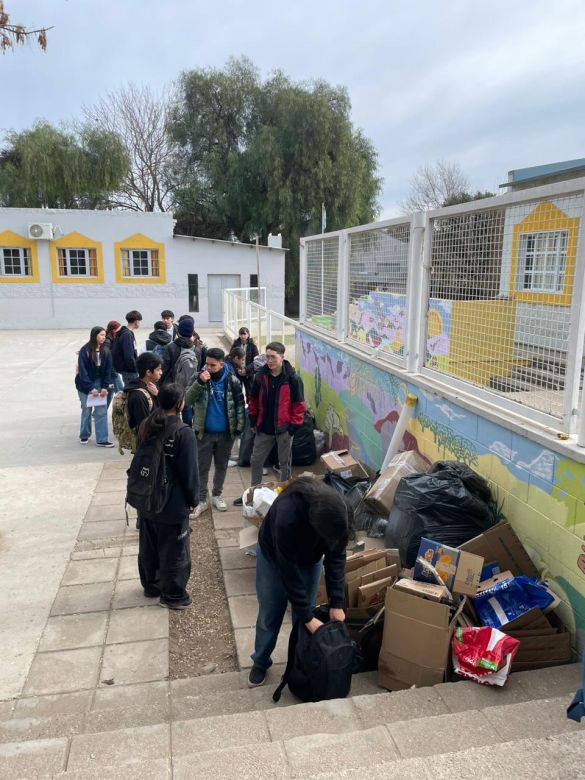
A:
459, 570
501, 544
373, 595
342, 463
416, 641
381, 495
423, 589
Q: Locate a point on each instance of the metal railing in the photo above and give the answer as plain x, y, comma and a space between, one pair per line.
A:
485, 297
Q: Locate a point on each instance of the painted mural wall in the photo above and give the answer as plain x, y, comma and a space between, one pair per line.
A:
542, 493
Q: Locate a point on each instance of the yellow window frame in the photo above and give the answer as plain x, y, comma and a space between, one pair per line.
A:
122, 251
10, 240
545, 218
77, 241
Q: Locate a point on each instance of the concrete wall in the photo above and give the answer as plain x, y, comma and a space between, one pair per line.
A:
48, 303
542, 490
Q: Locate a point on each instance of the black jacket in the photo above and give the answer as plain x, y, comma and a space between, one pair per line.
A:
251, 350
171, 354
289, 541
89, 374
182, 471
124, 351
138, 407
158, 338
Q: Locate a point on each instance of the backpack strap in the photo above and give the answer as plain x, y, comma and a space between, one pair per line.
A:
292, 646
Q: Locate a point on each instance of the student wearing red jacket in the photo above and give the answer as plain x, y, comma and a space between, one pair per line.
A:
276, 408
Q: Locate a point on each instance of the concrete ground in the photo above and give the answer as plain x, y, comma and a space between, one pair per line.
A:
47, 483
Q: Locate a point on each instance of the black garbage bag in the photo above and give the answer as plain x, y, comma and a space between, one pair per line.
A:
451, 505
304, 449
353, 492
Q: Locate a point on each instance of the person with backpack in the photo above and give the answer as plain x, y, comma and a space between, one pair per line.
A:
163, 486
218, 417
246, 342
181, 361
124, 350
158, 340
92, 380
168, 318
306, 527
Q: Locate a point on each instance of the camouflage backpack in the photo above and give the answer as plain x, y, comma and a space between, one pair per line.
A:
122, 431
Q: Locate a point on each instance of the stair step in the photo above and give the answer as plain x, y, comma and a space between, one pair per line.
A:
508, 385
550, 380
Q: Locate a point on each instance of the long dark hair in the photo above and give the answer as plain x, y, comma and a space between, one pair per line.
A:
327, 512
243, 329
169, 398
92, 346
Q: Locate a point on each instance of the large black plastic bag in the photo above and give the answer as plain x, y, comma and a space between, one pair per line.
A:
304, 449
451, 505
353, 492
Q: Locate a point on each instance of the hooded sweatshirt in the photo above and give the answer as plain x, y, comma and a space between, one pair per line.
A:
158, 338
139, 406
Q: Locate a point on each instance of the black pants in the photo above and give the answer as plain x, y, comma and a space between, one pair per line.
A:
164, 559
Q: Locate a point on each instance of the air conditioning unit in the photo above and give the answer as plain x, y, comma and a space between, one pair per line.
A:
42, 231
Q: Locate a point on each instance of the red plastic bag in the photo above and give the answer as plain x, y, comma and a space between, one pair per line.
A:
483, 654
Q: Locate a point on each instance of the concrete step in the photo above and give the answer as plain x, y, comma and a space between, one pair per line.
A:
538, 377
387, 727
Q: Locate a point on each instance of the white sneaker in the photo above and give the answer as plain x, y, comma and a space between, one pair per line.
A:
232, 463
199, 509
219, 503
264, 471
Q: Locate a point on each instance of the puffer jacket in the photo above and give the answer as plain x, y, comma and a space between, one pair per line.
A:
198, 396
290, 404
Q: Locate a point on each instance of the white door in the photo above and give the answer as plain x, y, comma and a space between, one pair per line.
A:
216, 284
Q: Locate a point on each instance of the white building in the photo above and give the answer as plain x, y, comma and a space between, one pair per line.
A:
82, 268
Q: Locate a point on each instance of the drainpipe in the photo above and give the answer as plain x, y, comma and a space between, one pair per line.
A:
396, 440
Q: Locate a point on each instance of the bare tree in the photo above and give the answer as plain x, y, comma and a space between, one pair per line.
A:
433, 185
15, 34
140, 117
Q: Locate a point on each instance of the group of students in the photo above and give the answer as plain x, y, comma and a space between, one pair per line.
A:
308, 524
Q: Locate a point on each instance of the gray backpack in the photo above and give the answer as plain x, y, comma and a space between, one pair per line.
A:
186, 367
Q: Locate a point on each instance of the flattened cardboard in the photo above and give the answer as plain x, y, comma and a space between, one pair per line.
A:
500, 543
387, 571
373, 594
342, 463
425, 590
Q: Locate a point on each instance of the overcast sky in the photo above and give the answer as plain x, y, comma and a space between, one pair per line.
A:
493, 85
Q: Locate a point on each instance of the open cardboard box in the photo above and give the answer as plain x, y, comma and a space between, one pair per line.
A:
342, 463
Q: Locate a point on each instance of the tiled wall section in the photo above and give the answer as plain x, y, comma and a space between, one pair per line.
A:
542, 493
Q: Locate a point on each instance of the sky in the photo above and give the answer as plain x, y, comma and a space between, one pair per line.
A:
491, 86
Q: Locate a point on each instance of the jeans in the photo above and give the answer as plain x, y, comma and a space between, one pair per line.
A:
216, 447
164, 559
272, 601
263, 444
128, 375
100, 419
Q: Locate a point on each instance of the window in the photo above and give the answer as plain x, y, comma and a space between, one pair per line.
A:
193, 292
15, 261
77, 262
140, 262
542, 259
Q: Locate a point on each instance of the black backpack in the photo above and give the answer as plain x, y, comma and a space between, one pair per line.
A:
319, 665
148, 486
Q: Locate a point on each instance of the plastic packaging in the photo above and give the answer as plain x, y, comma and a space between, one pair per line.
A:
483, 654
508, 599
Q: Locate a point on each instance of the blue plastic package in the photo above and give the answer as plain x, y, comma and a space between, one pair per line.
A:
505, 601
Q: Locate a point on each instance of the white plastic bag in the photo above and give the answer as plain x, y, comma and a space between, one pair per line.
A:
247, 509
263, 499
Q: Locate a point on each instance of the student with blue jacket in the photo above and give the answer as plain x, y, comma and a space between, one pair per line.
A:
94, 376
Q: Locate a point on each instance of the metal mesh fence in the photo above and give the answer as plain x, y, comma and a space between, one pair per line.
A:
498, 315
378, 277
321, 292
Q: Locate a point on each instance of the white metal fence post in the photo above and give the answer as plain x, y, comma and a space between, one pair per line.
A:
303, 281
575, 344
342, 286
415, 294
424, 293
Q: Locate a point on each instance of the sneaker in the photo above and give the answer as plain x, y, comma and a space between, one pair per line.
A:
105, 444
276, 469
83, 441
264, 471
232, 463
199, 509
176, 604
219, 503
238, 501
256, 677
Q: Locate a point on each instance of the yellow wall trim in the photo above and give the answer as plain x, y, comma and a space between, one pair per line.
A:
76, 241
9, 239
139, 241
544, 218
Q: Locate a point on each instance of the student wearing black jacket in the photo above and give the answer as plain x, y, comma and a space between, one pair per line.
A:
93, 378
124, 350
164, 556
245, 341
307, 526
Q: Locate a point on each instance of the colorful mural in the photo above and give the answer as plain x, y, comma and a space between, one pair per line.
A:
541, 493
